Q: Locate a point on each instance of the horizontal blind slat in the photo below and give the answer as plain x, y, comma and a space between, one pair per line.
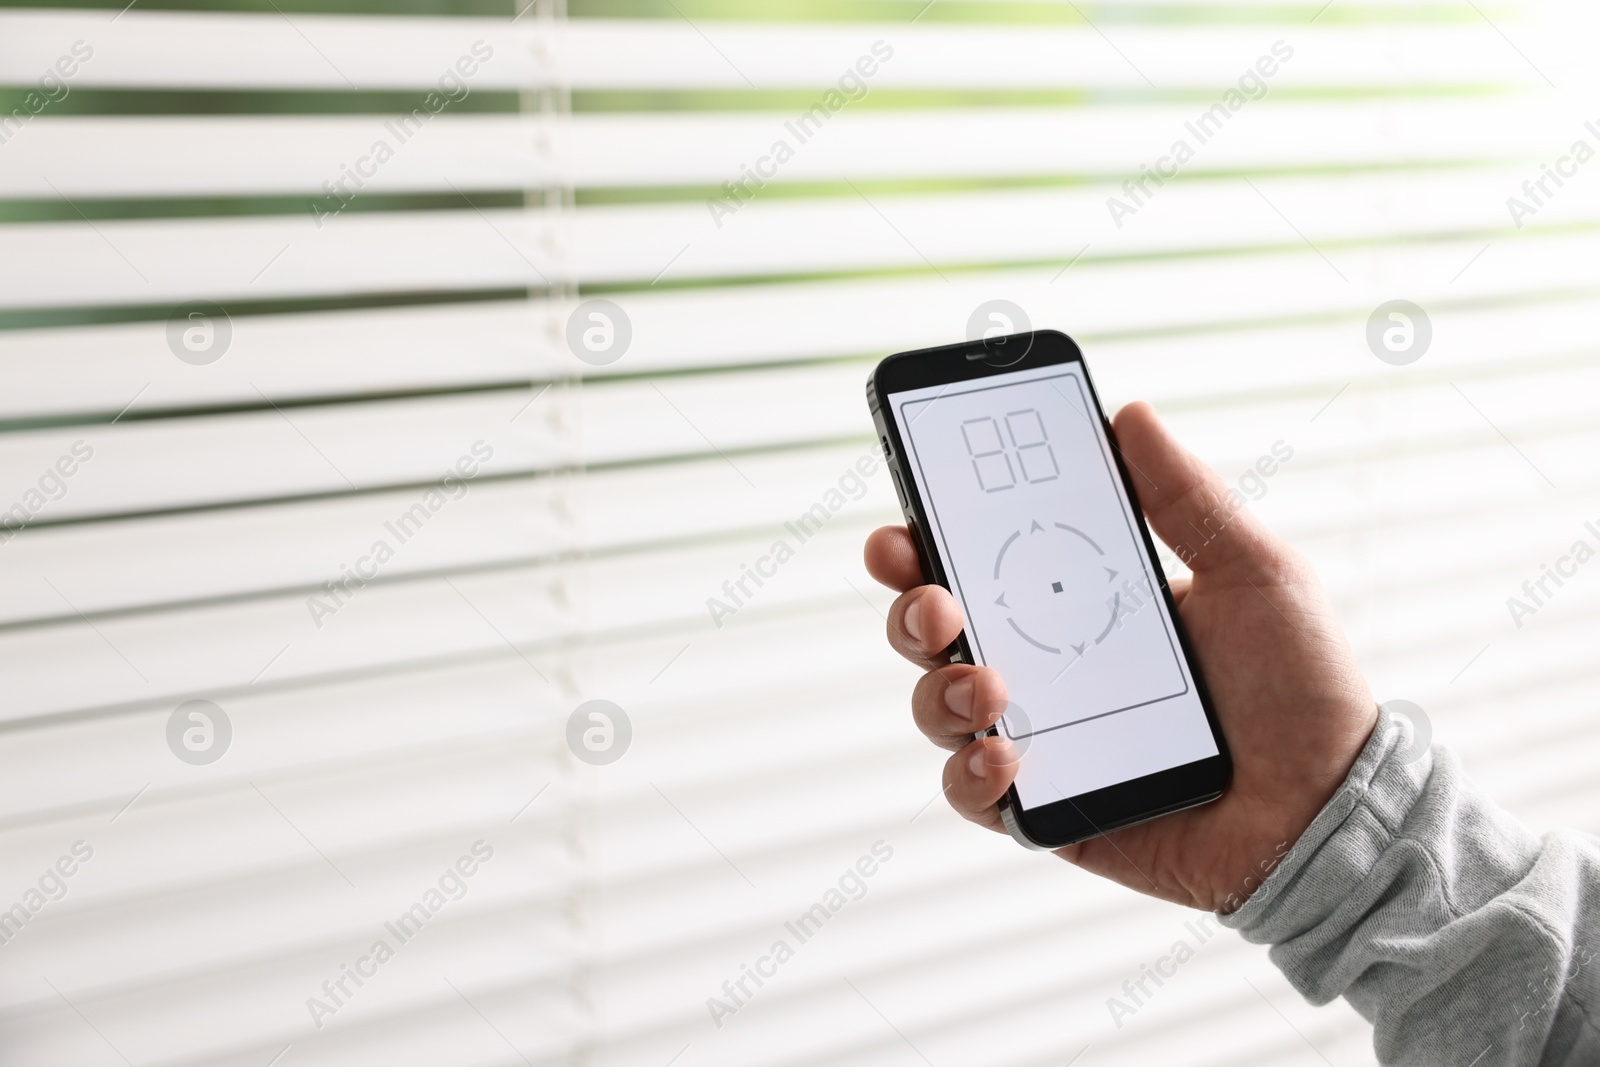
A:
383, 627
95, 371
262, 259
335, 158
343, 53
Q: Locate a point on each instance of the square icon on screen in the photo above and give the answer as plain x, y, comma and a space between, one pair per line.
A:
1026, 426
982, 437
1038, 463
994, 472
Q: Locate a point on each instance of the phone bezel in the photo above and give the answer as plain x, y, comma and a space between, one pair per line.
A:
1101, 811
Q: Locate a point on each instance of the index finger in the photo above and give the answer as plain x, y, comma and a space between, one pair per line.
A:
891, 558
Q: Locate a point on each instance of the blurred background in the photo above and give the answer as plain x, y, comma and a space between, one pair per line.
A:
385, 382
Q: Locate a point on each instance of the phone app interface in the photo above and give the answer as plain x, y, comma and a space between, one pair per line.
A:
1044, 555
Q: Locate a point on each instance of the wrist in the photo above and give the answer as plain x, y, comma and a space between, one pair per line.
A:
1380, 787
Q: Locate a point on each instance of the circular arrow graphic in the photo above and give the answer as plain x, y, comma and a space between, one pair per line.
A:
1053, 580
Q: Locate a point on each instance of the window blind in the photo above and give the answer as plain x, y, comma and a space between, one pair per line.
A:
326, 526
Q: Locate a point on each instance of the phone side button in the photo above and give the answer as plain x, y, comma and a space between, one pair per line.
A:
900, 490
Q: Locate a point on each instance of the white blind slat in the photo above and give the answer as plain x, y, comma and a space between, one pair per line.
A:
342, 53
278, 155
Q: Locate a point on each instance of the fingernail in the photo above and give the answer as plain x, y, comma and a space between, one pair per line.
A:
976, 763
913, 620
958, 697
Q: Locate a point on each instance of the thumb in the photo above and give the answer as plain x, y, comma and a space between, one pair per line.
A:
1189, 507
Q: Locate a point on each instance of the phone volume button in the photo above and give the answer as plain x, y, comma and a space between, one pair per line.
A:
900, 490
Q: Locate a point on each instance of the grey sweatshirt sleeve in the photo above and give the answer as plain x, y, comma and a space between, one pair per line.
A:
1463, 937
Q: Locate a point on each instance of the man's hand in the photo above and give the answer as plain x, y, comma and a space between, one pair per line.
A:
1293, 704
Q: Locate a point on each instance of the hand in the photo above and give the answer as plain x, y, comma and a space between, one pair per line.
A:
1293, 705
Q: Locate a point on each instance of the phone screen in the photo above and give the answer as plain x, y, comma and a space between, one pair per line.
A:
1043, 552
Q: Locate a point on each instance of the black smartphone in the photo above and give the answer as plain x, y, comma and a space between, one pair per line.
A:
1020, 505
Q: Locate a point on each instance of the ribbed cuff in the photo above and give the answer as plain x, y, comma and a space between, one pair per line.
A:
1338, 851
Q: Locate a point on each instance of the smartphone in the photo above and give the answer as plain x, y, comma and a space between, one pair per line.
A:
1020, 504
